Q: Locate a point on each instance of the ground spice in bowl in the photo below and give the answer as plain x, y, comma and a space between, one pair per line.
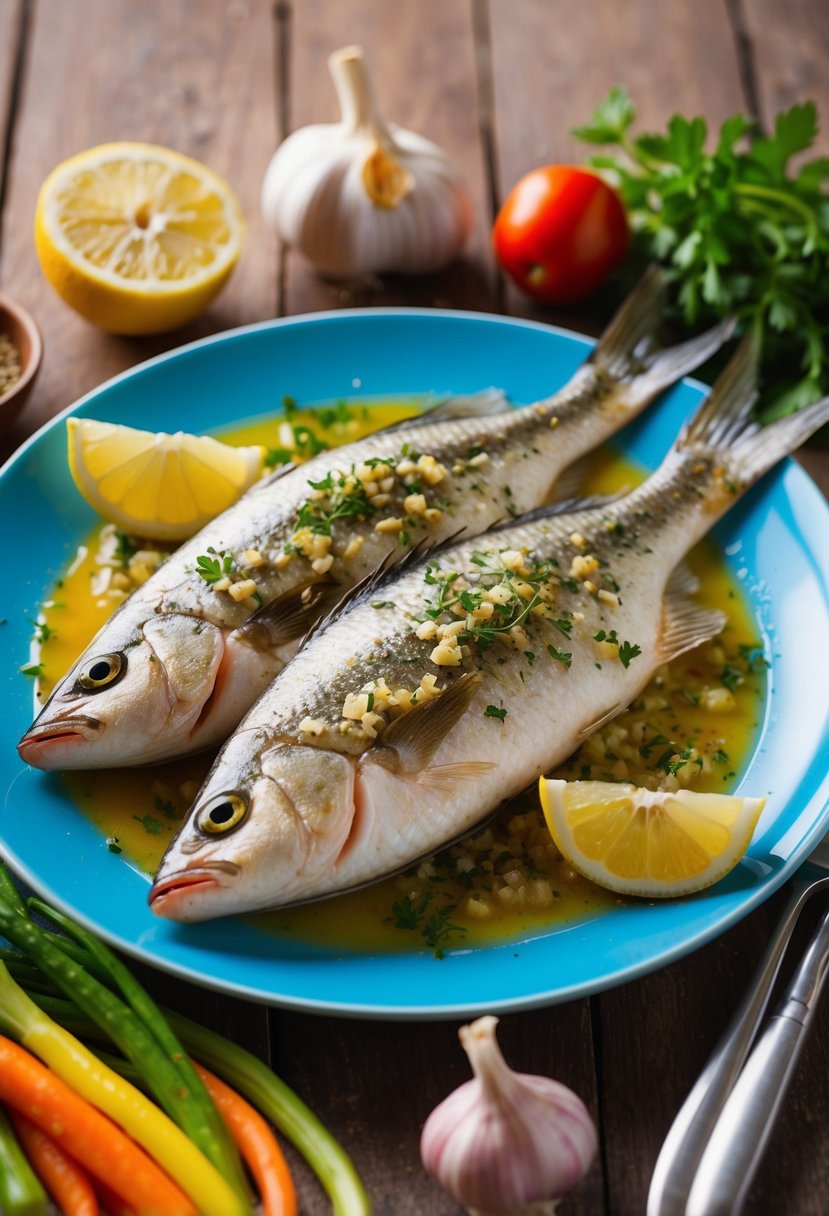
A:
10, 365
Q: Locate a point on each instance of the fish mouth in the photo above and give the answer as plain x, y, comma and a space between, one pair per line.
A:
34, 746
170, 897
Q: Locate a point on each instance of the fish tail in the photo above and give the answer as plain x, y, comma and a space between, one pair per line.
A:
726, 423
627, 352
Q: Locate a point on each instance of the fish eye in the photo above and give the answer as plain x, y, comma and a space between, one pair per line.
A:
102, 671
222, 813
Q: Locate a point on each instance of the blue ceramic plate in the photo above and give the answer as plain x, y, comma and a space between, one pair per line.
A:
777, 540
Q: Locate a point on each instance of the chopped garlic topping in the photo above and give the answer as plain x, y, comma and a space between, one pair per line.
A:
582, 567
392, 524
312, 726
241, 590
252, 558
354, 546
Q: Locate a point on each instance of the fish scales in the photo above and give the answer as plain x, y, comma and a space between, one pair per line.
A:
321, 804
180, 662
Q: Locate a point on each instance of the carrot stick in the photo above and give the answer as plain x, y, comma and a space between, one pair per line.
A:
87, 1135
258, 1146
63, 1178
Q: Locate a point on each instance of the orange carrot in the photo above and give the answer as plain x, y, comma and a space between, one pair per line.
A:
85, 1134
257, 1144
61, 1176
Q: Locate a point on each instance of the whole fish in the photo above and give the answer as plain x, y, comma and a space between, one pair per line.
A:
180, 662
433, 698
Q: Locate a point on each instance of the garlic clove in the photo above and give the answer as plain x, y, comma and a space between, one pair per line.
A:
362, 195
506, 1143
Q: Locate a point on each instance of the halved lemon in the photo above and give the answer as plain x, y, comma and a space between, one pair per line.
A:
648, 842
137, 238
165, 487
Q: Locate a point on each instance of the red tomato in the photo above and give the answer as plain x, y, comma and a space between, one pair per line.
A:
559, 232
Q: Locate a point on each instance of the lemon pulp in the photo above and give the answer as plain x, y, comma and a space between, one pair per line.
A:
164, 487
654, 843
135, 237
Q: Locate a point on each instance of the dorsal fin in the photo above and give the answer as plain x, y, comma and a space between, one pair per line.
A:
574, 507
388, 569
476, 405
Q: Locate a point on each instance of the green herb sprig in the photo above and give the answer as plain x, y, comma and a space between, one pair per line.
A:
738, 229
214, 568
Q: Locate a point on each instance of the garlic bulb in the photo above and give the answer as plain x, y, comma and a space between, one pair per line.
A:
363, 196
506, 1143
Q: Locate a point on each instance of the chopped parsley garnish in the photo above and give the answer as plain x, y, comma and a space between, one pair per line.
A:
213, 569
627, 652
731, 677
508, 596
340, 413
42, 631
149, 823
113, 845
602, 636
32, 669
650, 744
560, 656
124, 548
410, 913
384, 604
720, 756
168, 809
492, 711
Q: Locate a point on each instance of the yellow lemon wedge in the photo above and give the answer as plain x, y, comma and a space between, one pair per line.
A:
137, 238
648, 842
165, 487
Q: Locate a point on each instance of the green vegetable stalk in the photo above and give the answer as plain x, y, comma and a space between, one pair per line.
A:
20, 1191
126, 1030
739, 230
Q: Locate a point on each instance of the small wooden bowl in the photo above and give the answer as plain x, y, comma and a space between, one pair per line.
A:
20, 327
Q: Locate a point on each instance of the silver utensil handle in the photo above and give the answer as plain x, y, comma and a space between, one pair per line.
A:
743, 1129
690, 1132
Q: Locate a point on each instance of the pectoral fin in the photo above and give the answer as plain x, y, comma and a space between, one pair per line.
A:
290, 616
410, 742
684, 624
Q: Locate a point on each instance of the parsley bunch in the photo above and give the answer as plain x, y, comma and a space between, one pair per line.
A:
740, 232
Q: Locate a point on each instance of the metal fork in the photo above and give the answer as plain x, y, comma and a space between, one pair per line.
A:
690, 1132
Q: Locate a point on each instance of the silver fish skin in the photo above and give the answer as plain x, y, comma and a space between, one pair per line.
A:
179, 663
300, 804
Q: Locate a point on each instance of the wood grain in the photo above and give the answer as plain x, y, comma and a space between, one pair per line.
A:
12, 33
552, 65
422, 60
198, 78
790, 48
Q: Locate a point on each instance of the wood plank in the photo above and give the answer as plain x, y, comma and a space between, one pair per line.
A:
551, 68
789, 48
374, 1084
199, 78
12, 32
422, 61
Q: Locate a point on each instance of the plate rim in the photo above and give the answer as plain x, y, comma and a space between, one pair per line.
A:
406, 1012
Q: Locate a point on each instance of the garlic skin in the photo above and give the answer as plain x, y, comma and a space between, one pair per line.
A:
362, 196
506, 1143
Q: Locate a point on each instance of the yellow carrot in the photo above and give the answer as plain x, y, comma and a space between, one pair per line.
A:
122, 1102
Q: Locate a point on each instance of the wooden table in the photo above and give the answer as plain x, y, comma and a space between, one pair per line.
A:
499, 83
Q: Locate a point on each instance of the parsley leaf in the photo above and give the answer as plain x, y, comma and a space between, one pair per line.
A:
560, 656
628, 651
739, 231
492, 711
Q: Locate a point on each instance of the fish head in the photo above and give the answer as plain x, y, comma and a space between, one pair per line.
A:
134, 696
267, 829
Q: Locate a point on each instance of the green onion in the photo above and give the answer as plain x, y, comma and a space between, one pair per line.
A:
20, 1191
